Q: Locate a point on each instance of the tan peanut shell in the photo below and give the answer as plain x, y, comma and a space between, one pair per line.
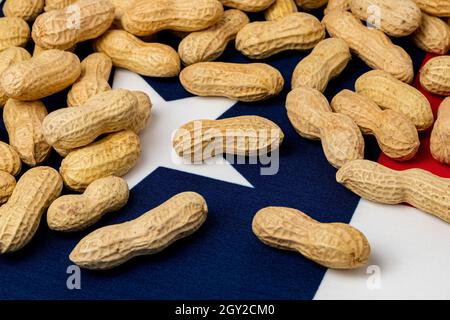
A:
70, 128
9, 159
243, 82
248, 5
390, 93
297, 31
244, 136
311, 4
71, 213
327, 60
209, 44
41, 76
143, 111
148, 17
57, 4
152, 232
14, 32
116, 154
440, 136
311, 115
395, 133
23, 121
64, 28
8, 57
129, 52
371, 45
95, 72
438, 8
339, 5
21, 215
120, 7
332, 245
435, 75
280, 9
397, 18
7, 185
28, 10
420, 188
433, 35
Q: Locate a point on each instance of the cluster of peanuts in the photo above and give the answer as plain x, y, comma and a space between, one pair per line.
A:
97, 134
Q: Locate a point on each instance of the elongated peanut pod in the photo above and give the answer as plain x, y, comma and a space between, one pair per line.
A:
338, 5
420, 188
297, 31
245, 135
435, 75
248, 5
311, 115
440, 136
311, 4
371, 45
129, 52
14, 32
145, 18
9, 159
209, 44
390, 93
57, 4
41, 76
433, 35
21, 215
152, 232
116, 155
95, 72
7, 185
328, 59
81, 21
243, 82
25, 9
438, 8
8, 57
77, 212
395, 133
23, 121
332, 245
280, 9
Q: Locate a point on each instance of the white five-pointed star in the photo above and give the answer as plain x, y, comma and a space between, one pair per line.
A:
167, 116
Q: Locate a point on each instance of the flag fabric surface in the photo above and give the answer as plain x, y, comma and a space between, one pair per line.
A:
223, 259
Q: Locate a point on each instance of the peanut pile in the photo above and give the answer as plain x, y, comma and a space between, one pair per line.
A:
97, 134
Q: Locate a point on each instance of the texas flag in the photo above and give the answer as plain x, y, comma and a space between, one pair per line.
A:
224, 260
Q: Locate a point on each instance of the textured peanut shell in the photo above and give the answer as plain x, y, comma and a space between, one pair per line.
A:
328, 59
310, 114
107, 112
95, 72
371, 45
41, 76
297, 31
25, 9
420, 188
143, 111
311, 4
209, 44
440, 136
438, 8
248, 5
21, 215
14, 32
433, 35
8, 57
64, 28
129, 52
435, 75
57, 4
71, 213
7, 185
338, 5
9, 159
243, 82
395, 133
332, 245
390, 93
152, 232
120, 7
116, 154
148, 17
23, 121
246, 135
280, 9
397, 18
